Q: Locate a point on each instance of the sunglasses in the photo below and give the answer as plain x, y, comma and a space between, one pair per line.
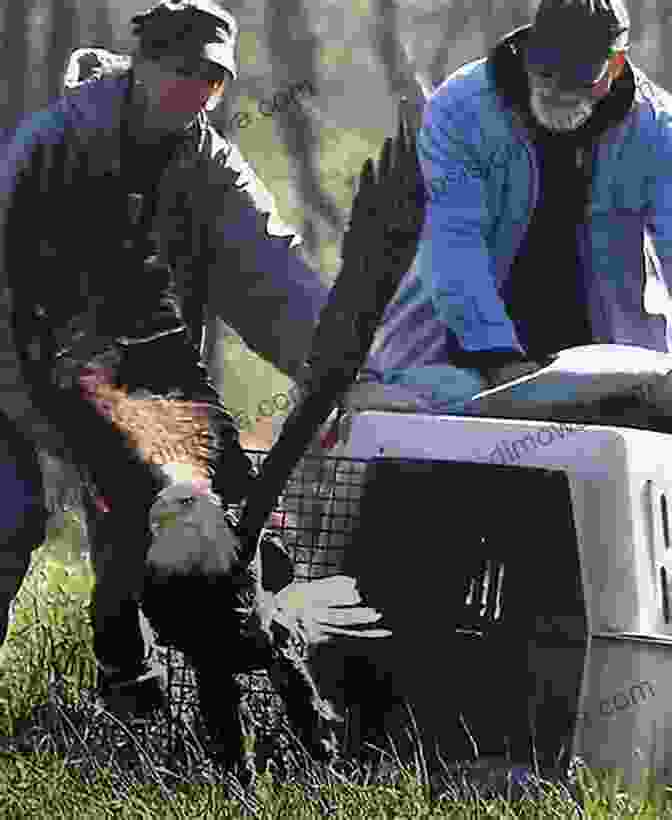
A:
595, 88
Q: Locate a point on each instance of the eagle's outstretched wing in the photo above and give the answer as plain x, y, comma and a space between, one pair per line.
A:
378, 249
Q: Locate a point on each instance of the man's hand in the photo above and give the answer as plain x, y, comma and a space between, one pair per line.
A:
510, 372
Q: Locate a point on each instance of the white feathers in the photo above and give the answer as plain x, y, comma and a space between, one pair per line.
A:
347, 617
320, 609
179, 473
338, 590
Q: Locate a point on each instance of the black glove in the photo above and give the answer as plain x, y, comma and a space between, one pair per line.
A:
510, 372
152, 310
167, 365
157, 351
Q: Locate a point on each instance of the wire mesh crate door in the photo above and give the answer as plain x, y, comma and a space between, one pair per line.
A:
464, 561
324, 496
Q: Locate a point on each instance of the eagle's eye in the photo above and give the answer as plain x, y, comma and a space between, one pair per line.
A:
187, 502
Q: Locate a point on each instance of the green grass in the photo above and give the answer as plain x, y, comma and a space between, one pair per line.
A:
61, 756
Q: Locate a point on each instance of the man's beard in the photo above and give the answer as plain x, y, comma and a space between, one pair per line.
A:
560, 119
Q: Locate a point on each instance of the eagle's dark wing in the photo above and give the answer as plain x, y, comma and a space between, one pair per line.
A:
385, 226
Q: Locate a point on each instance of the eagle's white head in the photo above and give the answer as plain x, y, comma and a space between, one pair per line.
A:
189, 529
189, 502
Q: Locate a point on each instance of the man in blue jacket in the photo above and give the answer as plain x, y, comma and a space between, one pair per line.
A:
128, 165
549, 171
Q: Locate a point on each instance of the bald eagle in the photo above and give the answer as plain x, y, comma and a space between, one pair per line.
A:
151, 462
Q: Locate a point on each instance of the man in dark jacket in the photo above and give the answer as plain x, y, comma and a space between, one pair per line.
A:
126, 215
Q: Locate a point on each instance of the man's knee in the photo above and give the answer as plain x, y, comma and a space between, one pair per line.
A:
23, 514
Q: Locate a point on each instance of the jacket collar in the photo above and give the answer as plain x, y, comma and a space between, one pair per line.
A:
505, 69
94, 112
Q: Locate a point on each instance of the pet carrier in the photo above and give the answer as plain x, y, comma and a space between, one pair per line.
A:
523, 568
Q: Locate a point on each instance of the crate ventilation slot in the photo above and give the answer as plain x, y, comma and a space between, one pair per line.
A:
484, 596
665, 590
665, 520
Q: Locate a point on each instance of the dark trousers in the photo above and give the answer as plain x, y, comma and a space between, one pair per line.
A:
121, 637
23, 514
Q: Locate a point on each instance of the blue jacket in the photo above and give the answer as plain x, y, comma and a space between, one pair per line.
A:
482, 179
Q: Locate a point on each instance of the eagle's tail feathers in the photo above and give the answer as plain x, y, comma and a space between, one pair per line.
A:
353, 616
320, 632
339, 590
327, 607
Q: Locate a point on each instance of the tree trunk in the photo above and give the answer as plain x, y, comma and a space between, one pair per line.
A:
400, 73
664, 67
502, 16
15, 61
64, 31
294, 53
453, 21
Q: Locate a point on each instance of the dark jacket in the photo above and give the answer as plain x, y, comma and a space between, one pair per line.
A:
62, 189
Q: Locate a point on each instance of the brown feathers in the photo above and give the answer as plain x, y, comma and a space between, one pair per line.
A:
161, 430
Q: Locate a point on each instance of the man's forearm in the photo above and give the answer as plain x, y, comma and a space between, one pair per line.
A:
35, 428
258, 282
16, 401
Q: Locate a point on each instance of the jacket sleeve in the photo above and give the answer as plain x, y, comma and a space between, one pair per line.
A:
659, 221
24, 162
453, 259
258, 283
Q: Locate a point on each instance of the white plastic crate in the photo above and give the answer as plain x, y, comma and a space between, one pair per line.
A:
621, 485
621, 494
